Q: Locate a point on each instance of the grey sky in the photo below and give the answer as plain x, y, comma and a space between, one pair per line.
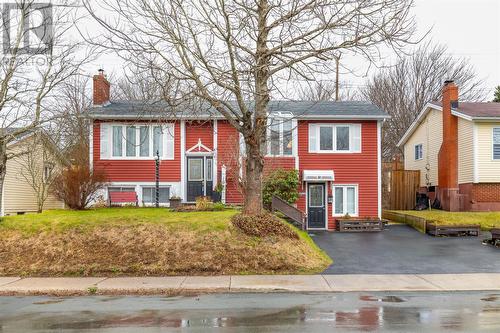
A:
469, 28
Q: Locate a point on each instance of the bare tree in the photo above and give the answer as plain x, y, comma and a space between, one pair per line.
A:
327, 91
234, 54
404, 89
32, 72
39, 163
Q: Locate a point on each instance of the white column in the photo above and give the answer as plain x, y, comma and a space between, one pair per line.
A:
183, 161
223, 181
214, 161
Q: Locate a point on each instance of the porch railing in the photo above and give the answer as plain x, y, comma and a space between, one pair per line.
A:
296, 215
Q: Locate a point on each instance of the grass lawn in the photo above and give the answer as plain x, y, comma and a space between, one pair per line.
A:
486, 220
146, 241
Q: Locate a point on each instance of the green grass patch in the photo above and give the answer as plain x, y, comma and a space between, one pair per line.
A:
487, 220
62, 220
147, 241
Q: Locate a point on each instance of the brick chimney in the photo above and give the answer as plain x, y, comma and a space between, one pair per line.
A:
448, 154
101, 88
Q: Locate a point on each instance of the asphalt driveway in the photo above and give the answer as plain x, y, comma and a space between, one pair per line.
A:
401, 249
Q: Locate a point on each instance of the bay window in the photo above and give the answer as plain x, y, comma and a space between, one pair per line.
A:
345, 200
137, 141
334, 138
280, 136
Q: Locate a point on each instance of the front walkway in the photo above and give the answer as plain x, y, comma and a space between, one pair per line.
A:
401, 249
249, 283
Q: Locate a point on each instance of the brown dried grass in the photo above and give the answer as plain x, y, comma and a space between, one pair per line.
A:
264, 225
152, 250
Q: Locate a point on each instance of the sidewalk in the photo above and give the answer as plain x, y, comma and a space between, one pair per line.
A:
250, 283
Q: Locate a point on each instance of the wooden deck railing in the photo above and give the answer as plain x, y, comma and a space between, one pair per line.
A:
280, 205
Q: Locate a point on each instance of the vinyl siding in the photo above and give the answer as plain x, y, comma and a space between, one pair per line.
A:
430, 134
350, 168
465, 152
138, 170
19, 196
489, 169
227, 154
199, 131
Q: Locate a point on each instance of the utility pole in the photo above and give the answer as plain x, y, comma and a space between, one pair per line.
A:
337, 60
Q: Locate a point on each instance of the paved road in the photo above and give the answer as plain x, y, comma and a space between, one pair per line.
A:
402, 250
351, 312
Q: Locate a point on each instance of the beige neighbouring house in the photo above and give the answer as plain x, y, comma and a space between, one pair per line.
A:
35, 157
456, 147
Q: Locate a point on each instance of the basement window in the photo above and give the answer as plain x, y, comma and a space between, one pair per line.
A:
496, 143
419, 152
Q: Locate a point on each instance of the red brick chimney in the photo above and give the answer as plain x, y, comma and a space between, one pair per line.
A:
448, 154
101, 88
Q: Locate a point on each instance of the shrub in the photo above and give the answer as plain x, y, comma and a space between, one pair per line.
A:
77, 186
203, 203
282, 183
218, 206
263, 225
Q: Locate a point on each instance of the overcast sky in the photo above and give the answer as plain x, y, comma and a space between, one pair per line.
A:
469, 28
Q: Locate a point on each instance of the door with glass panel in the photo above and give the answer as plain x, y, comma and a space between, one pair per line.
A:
316, 209
199, 177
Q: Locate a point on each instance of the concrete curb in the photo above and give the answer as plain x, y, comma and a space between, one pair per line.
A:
249, 283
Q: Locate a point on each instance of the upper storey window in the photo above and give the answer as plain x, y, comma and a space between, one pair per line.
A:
334, 138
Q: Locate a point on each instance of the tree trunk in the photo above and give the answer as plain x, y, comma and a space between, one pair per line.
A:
257, 137
253, 179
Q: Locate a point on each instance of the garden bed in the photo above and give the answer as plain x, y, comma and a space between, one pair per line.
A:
440, 230
147, 241
360, 225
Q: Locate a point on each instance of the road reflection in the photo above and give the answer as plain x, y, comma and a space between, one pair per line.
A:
255, 313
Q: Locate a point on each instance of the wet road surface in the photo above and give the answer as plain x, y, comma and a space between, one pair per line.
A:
349, 312
401, 249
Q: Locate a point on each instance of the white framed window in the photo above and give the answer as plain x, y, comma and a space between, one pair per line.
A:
345, 200
280, 140
334, 138
47, 171
419, 152
195, 169
496, 143
149, 195
138, 141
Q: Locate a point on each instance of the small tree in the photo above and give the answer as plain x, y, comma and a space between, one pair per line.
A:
39, 160
78, 186
282, 183
496, 99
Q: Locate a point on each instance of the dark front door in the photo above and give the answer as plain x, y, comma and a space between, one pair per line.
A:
195, 178
316, 206
199, 177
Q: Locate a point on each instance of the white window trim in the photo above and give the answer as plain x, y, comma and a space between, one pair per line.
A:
344, 193
334, 126
493, 144
421, 152
202, 169
282, 119
138, 140
162, 204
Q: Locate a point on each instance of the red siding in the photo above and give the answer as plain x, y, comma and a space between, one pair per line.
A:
227, 151
361, 169
138, 170
273, 163
199, 130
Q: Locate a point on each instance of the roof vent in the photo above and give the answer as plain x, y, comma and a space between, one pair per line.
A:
454, 104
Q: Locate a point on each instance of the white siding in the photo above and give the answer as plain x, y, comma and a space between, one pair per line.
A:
489, 169
429, 133
465, 151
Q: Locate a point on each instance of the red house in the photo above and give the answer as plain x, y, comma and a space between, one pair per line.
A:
335, 146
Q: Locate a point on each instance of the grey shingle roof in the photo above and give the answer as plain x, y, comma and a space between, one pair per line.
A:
476, 110
300, 109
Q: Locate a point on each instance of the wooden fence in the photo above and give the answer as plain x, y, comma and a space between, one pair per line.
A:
399, 189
